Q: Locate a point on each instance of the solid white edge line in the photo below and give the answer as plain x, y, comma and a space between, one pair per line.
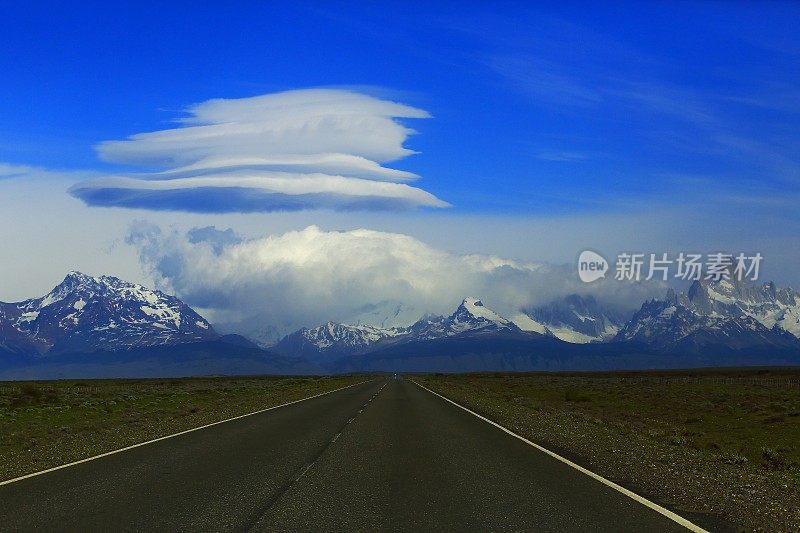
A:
644, 501
106, 454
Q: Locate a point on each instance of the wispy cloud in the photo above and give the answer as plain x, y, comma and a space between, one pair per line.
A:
561, 155
9, 171
302, 149
544, 81
574, 71
775, 96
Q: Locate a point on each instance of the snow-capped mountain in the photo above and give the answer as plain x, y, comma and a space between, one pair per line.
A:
334, 339
471, 318
724, 313
87, 314
575, 318
386, 315
772, 306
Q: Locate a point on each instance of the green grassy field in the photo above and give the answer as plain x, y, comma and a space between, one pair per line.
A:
719, 444
45, 424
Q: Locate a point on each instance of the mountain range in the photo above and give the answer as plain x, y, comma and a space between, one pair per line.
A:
104, 326
711, 316
331, 341
719, 314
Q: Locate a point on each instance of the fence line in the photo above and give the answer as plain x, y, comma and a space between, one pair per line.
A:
773, 382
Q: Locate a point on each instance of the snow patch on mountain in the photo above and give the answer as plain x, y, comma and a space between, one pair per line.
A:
574, 318
387, 314
526, 323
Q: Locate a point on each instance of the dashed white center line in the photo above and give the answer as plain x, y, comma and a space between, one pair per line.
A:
336, 437
350, 421
308, 465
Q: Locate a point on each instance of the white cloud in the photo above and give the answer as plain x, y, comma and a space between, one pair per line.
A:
345, 164
306, 277
302, 149
9, 171
251, 191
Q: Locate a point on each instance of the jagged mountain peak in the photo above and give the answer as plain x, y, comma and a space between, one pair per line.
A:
575, 318
87, 313
76, 279
75, 275
721, 312
78, 283
732, 289
472, 309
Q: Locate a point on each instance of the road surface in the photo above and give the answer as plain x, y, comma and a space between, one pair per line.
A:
382, 455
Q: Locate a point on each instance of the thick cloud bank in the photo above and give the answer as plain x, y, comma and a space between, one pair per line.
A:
316, 148
306, 277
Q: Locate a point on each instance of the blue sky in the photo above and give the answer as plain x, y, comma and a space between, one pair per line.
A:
653, 125
536, 109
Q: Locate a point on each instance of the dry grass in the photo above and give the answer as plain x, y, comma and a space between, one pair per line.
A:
45, 424
722, 447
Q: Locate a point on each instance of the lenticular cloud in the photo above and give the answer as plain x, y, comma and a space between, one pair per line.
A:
304, 149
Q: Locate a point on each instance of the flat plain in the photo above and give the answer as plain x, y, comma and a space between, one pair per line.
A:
720, 447
723, 443
383, 455
49, 423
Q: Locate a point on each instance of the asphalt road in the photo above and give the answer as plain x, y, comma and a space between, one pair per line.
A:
383, 455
